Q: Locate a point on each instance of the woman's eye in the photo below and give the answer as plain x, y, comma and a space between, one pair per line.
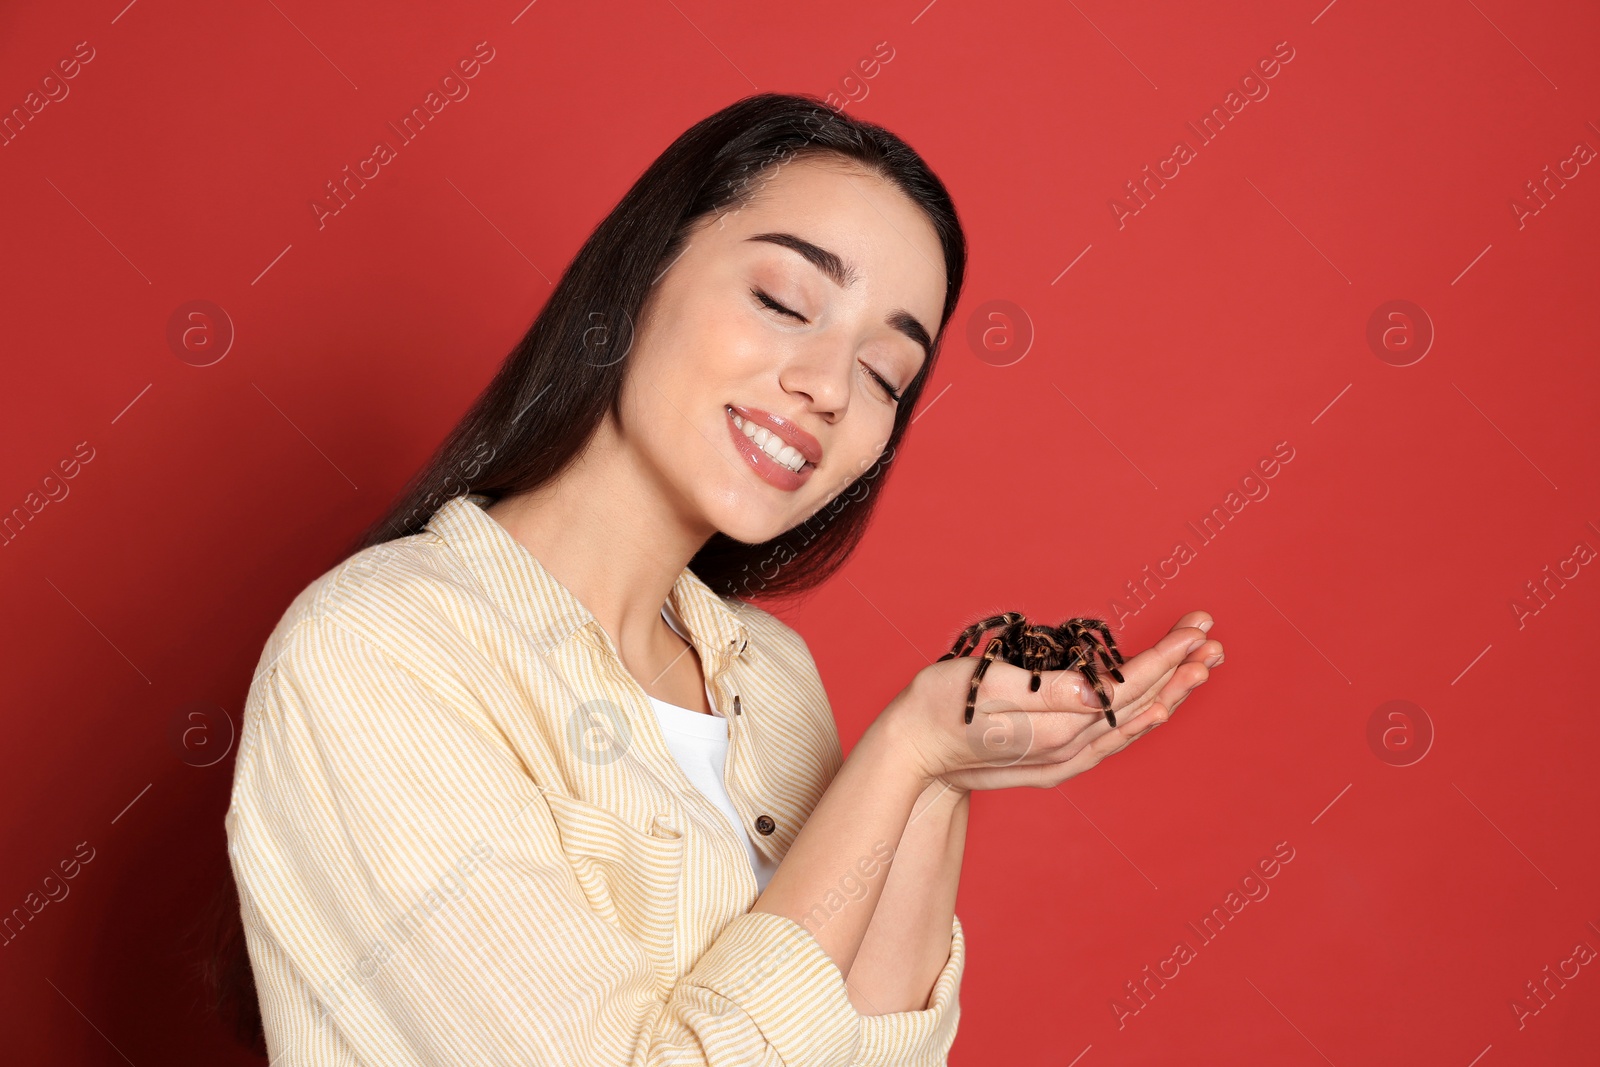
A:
774, 305
780, 309
887, 388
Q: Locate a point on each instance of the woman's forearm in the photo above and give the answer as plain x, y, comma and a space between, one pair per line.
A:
834, 872
907, 942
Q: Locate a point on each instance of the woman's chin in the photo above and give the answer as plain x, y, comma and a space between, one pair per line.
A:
751, 524
752, 534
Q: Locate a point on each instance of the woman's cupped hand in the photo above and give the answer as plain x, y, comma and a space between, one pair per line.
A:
1019, 737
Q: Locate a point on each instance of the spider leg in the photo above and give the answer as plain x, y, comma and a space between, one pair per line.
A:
960, 648
1047, 653
1111, 642
1113, 645
968, 638
964, 643
1087, 630
1105, 658
995, 645
1100, 691
1099, 626
1083, 651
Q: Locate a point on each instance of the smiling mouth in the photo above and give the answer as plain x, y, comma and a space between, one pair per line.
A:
785, 455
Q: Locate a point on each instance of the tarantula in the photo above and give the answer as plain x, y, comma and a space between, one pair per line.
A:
1072, 646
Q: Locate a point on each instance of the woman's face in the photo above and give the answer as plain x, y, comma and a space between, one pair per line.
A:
713, 359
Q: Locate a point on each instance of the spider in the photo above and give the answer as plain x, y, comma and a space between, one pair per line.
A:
1072, 646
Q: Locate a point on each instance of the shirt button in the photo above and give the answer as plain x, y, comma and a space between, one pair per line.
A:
765, 825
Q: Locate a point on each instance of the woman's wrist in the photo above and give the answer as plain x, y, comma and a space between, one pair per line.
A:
904, 735
938, 797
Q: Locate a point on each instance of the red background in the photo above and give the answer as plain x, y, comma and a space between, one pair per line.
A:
1228, 315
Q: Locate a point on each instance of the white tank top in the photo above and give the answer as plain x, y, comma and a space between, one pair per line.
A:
699, 744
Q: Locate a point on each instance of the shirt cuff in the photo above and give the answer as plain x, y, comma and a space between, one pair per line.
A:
918, 1038
771, 969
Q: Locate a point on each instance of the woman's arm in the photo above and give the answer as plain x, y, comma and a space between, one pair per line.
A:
908, 941
834, 873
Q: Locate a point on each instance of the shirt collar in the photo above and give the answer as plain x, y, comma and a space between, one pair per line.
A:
545, 608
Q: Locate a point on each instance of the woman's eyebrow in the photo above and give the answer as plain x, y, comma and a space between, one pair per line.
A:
838, 271
844, 276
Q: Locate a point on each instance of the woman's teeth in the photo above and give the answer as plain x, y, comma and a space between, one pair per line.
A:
771, 444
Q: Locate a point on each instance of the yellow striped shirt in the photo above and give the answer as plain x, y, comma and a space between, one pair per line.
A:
460, 838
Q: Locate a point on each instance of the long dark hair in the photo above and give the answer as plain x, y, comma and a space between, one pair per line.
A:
555, 388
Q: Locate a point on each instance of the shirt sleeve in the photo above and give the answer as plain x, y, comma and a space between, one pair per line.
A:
396, 863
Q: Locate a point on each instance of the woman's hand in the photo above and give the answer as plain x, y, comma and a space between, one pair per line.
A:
1041, 739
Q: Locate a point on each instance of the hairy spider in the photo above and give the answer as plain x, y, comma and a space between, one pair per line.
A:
1072, 646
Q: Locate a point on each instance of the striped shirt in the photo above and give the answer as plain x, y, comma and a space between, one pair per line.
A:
460, 838
699, 744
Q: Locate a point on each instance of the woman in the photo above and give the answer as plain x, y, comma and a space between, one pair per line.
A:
516, 778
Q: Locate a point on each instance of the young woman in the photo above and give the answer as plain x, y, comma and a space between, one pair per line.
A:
529, 779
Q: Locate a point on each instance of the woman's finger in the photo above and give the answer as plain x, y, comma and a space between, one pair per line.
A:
1200, 620
1190, 675
1108, 743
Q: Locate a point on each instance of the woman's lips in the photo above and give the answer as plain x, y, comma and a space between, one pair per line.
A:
786, 430
767, 468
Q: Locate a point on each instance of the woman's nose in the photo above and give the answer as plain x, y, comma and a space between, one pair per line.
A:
823, 378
